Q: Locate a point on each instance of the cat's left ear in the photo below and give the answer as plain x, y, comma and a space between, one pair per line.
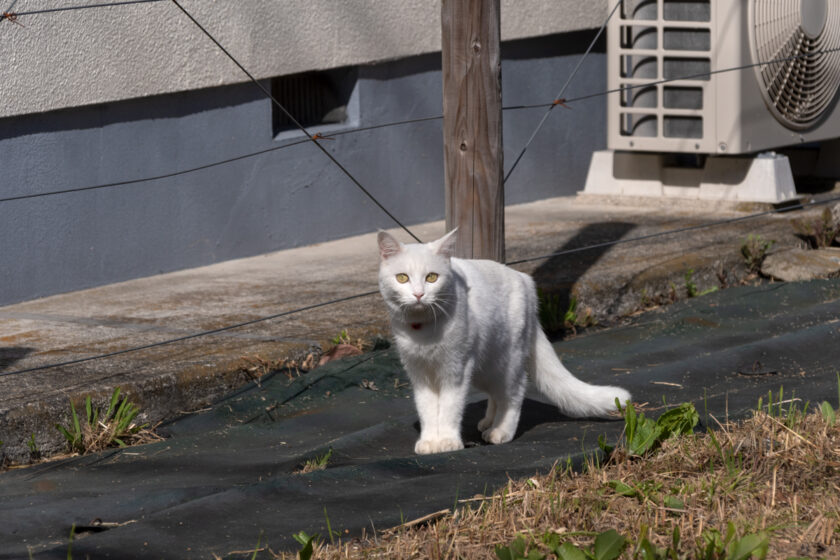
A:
445, 246
388, 245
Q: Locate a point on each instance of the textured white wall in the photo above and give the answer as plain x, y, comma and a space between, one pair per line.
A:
80, 57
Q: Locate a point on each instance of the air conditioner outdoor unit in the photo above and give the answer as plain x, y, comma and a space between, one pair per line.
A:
719, 78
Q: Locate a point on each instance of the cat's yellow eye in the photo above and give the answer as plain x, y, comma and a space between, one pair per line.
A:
431, 277
402, 278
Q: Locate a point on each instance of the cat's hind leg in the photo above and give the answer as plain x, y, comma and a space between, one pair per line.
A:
506, 418
506, 399
489, 414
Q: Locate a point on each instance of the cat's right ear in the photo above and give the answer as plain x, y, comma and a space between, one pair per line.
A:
445, 246
388, 245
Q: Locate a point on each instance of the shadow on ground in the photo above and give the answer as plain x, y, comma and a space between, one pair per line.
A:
557, 275
10, 355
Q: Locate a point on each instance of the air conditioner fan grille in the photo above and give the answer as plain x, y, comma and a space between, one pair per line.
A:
803, 82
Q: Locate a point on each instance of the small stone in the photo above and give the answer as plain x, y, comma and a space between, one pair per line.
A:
797, 265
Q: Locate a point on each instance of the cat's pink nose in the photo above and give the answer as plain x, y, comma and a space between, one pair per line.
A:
418, 295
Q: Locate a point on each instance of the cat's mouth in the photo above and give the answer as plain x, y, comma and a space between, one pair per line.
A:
418, 308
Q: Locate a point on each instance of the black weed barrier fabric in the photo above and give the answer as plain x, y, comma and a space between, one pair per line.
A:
226, 478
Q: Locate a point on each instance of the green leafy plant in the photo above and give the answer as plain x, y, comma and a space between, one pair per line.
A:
821, 231
341, 338
573, 318
644, 434
646, 550
554, 318
97, 431
828, 413
307, 543
607, 546
691, 289
713, 545
516, 550
754, 250
643, 491
34, 452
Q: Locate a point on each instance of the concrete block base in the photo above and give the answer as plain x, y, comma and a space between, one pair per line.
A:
763, 178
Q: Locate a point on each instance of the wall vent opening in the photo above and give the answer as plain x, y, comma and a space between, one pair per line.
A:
314, 99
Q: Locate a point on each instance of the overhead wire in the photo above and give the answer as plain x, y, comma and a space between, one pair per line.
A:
151, 178
76, 7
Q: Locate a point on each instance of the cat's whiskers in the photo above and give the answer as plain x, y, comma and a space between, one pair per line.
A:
438, 305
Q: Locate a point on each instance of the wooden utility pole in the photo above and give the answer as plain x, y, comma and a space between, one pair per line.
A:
472, 127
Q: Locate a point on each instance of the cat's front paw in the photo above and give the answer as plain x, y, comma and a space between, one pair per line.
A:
427, 446
497, 435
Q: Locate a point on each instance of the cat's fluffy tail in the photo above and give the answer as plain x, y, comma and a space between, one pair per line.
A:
571, 395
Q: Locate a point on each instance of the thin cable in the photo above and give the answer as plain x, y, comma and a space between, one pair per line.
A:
384, 125
153, 178
188, 337
85, 7
559, 95
295, 122
791, 208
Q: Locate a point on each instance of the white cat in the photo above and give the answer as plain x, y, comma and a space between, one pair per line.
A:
458, 321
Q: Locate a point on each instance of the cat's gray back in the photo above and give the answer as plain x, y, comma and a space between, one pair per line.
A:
495, 288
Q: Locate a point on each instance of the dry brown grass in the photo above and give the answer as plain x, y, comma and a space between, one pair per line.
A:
767, 474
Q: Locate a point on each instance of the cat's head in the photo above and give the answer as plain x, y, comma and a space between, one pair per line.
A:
415, 276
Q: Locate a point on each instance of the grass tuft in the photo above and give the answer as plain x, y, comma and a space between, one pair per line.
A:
96, 431
317, 463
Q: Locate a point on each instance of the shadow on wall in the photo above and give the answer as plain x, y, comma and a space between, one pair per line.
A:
11, 355
557, 276
100, 115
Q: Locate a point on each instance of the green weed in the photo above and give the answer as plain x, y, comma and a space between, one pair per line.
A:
818, 232
317, 463
97, 431
645, 434
691, 289
607, 546
828, 413
713, 546
754, 250
554, 318
307, 542
34, 452
341, 338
